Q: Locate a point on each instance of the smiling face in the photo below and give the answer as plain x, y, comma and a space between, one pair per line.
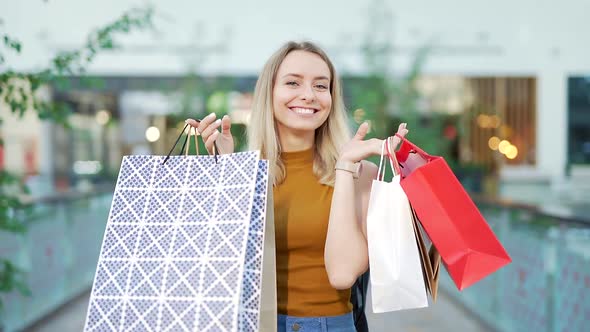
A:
301, 94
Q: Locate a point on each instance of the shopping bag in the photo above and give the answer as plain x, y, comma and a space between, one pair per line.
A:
467, 245
258, 303
429, 257
397, 280
185, 246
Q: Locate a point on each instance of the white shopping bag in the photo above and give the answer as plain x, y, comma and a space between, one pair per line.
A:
397, 281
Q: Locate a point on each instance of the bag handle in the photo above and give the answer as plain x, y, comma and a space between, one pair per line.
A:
413, 146
382, 166
380, 175
395, 167
189, 134
393, 163
184, 144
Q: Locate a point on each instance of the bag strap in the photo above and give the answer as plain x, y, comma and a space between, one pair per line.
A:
413, 147
395, 166
381, 171
385, 150
184, 144
189, 134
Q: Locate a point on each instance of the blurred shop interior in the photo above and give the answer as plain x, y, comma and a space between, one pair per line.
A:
500, 89
479, 124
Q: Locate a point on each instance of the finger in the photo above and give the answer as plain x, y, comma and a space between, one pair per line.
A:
206, 122
362, 131
402, 127
192, 122
226, 125
209, 142
393, 143
396, 140
401, 131
212, 127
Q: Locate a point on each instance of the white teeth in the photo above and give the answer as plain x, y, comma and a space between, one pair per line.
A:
303, 110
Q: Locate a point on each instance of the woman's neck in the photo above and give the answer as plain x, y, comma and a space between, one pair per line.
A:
292, 141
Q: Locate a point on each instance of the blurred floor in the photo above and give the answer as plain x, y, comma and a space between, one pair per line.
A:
442, 316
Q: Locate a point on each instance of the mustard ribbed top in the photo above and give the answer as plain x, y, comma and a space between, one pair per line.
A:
302, 210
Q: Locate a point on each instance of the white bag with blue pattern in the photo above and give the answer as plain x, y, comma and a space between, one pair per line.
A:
183, 247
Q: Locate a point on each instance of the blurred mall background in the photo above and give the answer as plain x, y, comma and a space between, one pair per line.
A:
501, 89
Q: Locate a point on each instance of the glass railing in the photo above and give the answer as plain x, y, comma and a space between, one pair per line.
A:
58, 252
547, 285
545, 288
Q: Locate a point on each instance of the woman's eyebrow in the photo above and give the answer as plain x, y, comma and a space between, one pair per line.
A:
301, 76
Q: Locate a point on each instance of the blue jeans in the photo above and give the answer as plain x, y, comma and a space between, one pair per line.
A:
342, 323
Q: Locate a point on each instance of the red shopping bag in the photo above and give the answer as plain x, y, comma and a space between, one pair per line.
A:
469, 249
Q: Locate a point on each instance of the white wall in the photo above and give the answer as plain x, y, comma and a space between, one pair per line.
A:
501, 36
542, 38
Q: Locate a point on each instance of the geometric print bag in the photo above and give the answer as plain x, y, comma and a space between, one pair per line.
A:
188, 242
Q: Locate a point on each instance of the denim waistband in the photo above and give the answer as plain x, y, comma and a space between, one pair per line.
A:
341, 323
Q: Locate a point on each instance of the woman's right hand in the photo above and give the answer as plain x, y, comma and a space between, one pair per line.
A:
358, 148
208, 129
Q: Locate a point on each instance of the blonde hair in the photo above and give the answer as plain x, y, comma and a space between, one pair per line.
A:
262, 130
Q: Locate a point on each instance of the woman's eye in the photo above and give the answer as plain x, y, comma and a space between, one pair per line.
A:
293, 83
321, 86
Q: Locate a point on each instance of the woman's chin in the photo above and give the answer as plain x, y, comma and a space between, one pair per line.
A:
303, 125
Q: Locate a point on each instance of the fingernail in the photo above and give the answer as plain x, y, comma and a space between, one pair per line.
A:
211, 115
218, 121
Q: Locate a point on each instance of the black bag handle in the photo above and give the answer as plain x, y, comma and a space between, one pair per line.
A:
215, 152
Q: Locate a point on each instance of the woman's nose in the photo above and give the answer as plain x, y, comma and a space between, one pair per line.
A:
307, 94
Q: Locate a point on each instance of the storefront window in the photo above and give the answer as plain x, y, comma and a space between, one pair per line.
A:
579, 120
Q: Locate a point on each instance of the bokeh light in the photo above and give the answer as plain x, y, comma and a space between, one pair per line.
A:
152, 134
493, 142
503, 145
511, 152
103, 117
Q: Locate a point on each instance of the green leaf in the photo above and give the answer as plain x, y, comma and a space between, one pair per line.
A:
12, 278
12, 43
12, 226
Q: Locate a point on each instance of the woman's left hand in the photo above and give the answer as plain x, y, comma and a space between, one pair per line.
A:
358, 148
401, 131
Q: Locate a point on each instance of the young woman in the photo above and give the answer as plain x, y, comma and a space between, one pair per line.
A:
321, 184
